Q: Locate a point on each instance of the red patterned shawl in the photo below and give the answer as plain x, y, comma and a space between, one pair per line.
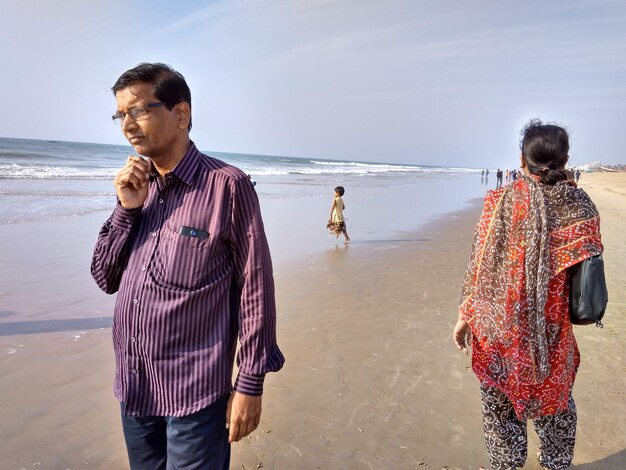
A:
515, 294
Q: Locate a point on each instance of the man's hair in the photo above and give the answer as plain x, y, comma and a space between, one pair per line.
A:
340, 190
169, 85
545, 149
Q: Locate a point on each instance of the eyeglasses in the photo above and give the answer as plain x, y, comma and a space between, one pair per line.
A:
136, 113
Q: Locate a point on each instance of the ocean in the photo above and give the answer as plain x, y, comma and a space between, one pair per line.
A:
42, 180
55, 196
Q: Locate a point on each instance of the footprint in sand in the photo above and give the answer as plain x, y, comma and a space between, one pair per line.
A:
458, 379
455, 440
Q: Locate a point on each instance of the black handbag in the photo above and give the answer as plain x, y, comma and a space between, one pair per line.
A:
588, 294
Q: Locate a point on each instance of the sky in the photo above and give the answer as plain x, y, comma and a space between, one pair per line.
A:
414, 82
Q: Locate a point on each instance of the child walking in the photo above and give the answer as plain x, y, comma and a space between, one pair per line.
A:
337, 222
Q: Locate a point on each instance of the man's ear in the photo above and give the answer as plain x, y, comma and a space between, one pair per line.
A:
183, 111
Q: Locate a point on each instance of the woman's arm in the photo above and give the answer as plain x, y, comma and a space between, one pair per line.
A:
462, 334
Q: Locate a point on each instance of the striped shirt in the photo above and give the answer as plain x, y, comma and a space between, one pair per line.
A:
193, 272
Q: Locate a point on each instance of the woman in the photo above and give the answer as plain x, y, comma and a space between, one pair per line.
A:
337, 222
515, 302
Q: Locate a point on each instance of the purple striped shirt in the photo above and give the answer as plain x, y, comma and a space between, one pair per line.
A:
184, 298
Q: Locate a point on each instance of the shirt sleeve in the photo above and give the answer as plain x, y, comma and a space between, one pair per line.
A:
253, 277
112, 249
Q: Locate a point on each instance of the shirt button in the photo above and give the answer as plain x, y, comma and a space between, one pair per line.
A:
133, 339
154, 234
133, 371
135, 301
143, 268
161, 201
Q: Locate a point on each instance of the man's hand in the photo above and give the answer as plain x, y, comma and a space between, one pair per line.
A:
243, 414
462, 335
131, 182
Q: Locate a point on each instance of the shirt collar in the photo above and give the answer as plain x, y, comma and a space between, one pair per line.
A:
186, 168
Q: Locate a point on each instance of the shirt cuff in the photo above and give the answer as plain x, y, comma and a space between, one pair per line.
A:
123, 218
249, 384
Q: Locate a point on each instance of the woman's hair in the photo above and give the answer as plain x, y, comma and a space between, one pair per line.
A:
545, 150
169, 85
340, 190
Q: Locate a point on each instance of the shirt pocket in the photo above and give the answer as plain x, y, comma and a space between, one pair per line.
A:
182, 262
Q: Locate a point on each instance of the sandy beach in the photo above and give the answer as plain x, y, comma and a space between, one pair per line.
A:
372, 379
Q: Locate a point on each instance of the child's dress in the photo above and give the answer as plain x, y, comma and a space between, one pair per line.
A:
337, 223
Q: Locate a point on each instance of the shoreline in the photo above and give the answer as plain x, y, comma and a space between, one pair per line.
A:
372, 379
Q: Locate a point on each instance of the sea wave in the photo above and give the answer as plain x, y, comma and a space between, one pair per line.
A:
369, 166
17, 171
74, 194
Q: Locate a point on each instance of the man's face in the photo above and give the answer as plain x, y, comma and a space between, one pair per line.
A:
154, 135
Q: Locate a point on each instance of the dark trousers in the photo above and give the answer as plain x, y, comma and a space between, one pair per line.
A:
195, 442
506, 439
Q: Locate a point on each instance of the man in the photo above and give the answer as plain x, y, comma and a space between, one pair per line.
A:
186, 251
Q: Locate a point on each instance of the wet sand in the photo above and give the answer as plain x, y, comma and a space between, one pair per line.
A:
372, 379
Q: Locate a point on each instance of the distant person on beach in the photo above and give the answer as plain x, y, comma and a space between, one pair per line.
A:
515, 305
186, 252
577, 174
498, 178
337, 222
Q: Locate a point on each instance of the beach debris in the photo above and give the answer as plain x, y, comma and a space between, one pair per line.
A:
396, 376
360, 430
295, 449
356, 409
421, 464
393, 409
11, 350
258, 465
